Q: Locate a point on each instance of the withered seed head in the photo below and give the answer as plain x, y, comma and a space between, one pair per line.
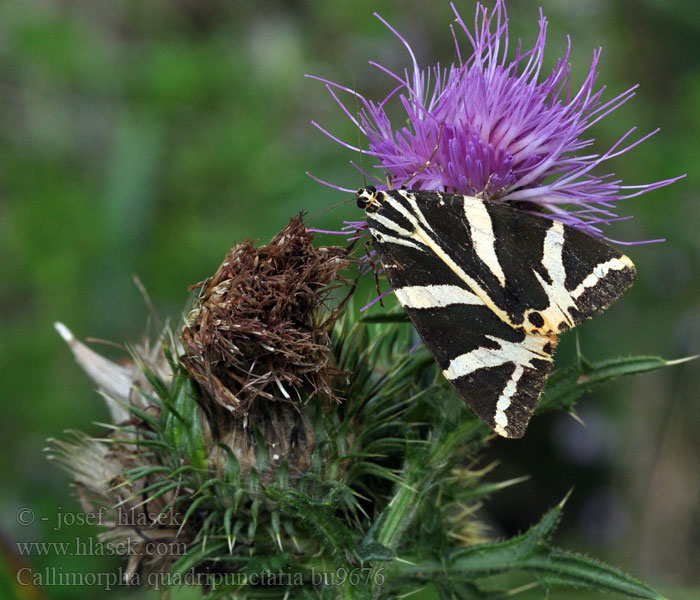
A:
260, 327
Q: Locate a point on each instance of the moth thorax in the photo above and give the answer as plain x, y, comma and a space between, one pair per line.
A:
367, 197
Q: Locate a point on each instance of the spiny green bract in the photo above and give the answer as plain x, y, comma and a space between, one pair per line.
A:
384, 508
360, 483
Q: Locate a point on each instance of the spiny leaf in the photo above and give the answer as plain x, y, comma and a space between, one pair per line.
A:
142, 415
557, 567
181, 422
487, 489
228, 519
139, 472
318, 515
530, 552
424, 466
566, 385
132, 442
193, 507
198, 554
163, 485
373, 551
487, 557
156, 382
195, 446
261, 456
271, 563
233, 469
254, 511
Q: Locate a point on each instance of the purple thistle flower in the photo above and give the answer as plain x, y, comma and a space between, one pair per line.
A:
489, 127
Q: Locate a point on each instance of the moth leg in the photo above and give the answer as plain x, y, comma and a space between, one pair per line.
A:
482, 193
368, 253
428, 162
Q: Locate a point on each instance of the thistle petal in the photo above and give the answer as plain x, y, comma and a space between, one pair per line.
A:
496, 127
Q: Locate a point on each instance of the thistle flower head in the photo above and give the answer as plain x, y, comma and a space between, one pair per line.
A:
258, 345
499, 128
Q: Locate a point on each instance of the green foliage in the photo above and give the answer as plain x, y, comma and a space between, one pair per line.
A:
385, 507
181, 426
530, 553
566, 385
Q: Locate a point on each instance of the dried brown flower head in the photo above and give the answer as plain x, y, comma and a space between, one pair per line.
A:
260, 327
257, 343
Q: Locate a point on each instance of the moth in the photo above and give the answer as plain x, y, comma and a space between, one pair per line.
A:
490, 288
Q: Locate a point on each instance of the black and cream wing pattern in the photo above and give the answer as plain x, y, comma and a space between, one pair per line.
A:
489, 288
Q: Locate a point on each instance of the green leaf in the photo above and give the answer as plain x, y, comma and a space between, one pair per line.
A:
318, 515
567, 385
162, 485
373, 551
489, 558
233, 470
531, 553
142, 414
271, 563
182, 421
423, 469
193, 507
197, 555
489, 488
557, 567
228, 519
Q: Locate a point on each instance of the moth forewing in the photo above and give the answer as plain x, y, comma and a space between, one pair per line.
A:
489, 288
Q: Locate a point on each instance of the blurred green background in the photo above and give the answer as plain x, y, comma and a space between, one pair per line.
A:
147, 137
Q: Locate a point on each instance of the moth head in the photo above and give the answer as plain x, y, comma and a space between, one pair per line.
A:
368, 198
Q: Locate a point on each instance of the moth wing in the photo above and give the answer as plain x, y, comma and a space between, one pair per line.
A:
489, 288
498, 370
541, 275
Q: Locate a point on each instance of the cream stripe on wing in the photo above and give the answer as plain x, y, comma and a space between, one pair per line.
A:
415, 218
435, 296
411, 199
483, 238
391, 225
383, 238
600, 271
560, 301
500, 418
421, 236
553, 257
532, 347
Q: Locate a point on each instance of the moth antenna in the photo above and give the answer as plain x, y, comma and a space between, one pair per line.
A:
362, 166
428, 162
359, 136
325, 210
